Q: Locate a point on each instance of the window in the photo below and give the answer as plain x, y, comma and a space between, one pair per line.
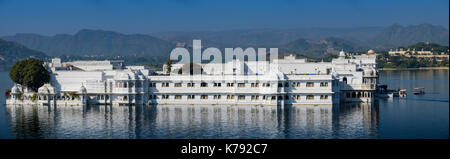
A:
203, 84
323, 97
274, 97
280, 84
230, 96
217, 84
217, 96
204, 97
309, 97
255, 85
191, 97
309, 84
323, 84
230, 84
296, 84
241, 84
177, 84
241, 97
165, 96
125, 84
164, 84
191, 84
177, 96
266, 84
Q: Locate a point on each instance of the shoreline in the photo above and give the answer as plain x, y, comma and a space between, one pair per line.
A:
420, 68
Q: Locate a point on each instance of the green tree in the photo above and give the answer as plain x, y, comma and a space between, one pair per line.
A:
34, 97
30, 73
169, 66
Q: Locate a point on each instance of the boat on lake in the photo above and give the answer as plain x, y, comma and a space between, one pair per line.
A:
402, 93
419, 90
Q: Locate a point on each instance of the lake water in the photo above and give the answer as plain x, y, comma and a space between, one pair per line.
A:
423, 116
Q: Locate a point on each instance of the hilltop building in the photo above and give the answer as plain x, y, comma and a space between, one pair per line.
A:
420, 54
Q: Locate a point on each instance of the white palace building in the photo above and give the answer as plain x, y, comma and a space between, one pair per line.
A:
348, 78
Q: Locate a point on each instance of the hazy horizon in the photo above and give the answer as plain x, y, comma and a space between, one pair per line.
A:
50, 17
218, 30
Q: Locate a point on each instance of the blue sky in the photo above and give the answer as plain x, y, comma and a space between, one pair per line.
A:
51, 17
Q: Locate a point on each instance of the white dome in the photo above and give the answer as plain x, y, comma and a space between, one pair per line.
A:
342, 53
43, 90
370, 51
46, 88
15, 89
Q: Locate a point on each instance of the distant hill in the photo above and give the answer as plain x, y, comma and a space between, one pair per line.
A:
397, 35
95, 42
320, 49
11, 52
268, 37
379, 38
313, 42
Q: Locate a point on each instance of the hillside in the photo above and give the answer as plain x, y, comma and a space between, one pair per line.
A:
95, 42
312, 42
397, 35
320, 49
268, 37
10, 52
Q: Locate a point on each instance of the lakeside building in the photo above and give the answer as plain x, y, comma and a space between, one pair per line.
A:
420, 54
290, 81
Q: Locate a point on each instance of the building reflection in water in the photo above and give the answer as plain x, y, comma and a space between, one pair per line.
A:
338, 121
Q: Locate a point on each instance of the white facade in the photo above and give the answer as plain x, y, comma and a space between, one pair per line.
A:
287, 81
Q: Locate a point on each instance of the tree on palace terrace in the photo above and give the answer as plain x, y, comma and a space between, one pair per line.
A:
30, 73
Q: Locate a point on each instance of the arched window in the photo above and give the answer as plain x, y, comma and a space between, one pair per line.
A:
345, 80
